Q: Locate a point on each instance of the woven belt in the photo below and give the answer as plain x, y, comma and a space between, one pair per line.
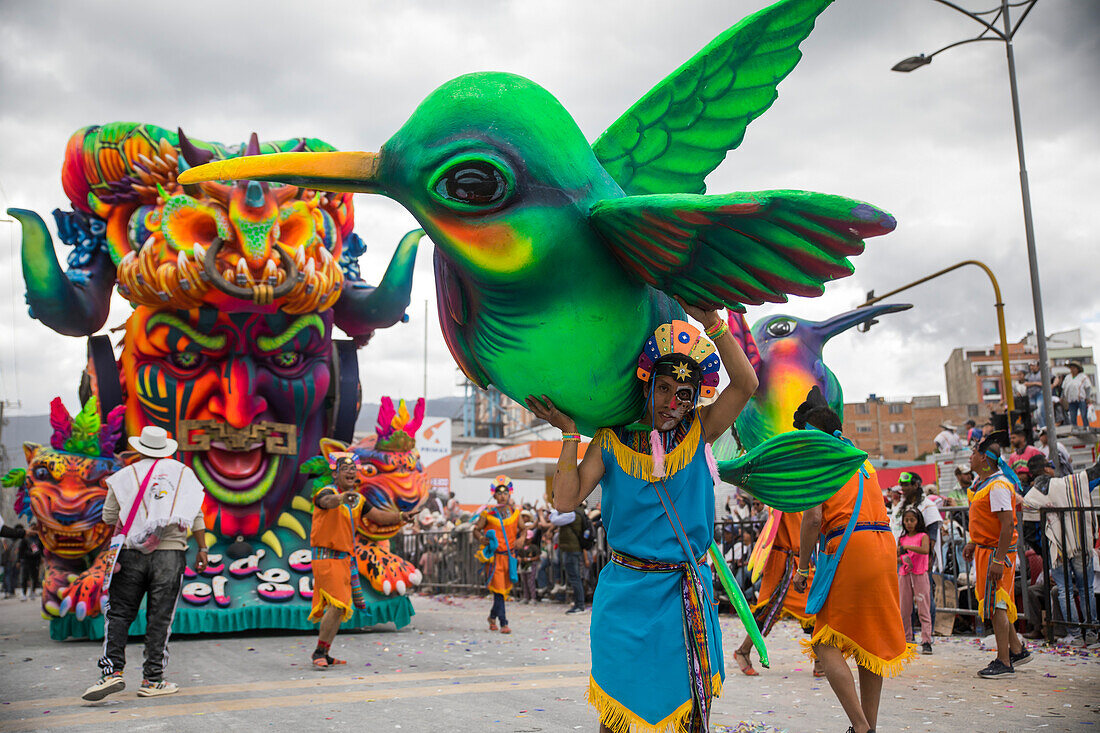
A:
650, 566
861, 527
695, 629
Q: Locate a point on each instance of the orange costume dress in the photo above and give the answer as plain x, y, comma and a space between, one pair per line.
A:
985, 532
507, 529
862, 614
333, 545
778, 597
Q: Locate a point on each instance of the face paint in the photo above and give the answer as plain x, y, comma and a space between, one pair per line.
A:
243, 392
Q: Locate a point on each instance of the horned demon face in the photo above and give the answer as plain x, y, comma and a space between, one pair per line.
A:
243, 393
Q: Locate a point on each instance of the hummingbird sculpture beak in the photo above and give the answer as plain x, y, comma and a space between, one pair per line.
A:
841, 323
354, 172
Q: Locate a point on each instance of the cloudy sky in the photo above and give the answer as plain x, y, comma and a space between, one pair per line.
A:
934, 147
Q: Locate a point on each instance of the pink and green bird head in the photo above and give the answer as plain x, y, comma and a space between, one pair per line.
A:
791, 364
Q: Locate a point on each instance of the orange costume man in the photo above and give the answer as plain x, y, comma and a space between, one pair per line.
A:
777, 595
992, 546
336, 512
861, 616
502, 526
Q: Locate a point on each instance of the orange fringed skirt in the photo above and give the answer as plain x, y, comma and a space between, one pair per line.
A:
793, 602
1005, 592
862, 615
331, 587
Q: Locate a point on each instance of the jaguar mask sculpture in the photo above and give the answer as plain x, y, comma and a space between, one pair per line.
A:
62, 491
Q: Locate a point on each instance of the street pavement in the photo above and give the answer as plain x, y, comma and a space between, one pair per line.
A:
447, 672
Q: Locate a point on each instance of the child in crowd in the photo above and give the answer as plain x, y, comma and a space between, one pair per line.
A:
913, 551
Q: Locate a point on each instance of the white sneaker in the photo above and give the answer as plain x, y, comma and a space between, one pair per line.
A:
108, 685
156, 689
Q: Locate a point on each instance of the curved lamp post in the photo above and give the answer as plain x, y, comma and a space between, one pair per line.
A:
990, 32
999, 307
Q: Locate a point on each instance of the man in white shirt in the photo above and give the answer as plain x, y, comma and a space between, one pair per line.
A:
947, 440
164, 499
1077, 392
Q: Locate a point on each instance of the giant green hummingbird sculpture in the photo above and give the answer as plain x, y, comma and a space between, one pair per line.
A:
555, 259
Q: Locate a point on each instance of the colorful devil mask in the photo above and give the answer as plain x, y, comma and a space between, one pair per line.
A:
236, 288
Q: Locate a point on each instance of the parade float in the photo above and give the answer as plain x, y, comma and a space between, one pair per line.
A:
236, 289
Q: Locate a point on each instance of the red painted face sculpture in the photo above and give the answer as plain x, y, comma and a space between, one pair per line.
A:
244, 393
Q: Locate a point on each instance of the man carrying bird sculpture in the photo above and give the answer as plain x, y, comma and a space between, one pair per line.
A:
658, 511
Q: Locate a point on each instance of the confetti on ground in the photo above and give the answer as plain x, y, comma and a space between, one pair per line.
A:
747, 726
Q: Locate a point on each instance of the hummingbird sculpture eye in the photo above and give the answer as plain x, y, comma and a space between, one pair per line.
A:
472, 184
780, 328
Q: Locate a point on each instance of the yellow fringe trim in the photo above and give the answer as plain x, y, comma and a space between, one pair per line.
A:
640, 465
622, 719
1002, 595
882, 667
325, 600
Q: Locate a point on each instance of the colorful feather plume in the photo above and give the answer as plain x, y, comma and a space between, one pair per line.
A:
111, 431
84, 437
61, 422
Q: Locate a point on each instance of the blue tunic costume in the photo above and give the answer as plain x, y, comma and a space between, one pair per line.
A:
641, 667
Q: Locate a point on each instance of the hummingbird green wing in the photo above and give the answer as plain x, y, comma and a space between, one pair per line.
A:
737, 249
454, 318
682, 128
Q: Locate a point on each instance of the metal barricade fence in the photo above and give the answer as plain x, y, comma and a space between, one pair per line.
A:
1069, 582
445, 558
952, 577
447, 563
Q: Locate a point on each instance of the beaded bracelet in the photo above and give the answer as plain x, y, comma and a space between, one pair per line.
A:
571, 436
717, 330
803, 573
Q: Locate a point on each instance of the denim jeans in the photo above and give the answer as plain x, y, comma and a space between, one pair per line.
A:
1040, 413
1081, 406
572, 561
1080, 572
497, 611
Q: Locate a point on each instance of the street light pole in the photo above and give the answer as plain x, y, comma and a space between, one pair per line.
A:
916, 62
1032, 259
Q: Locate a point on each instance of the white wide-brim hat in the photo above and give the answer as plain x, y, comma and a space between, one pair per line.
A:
153, 442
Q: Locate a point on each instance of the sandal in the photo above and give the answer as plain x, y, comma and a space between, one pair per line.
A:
332, 662
818, 672
505, 630
746, 668
492, 625
320, 662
